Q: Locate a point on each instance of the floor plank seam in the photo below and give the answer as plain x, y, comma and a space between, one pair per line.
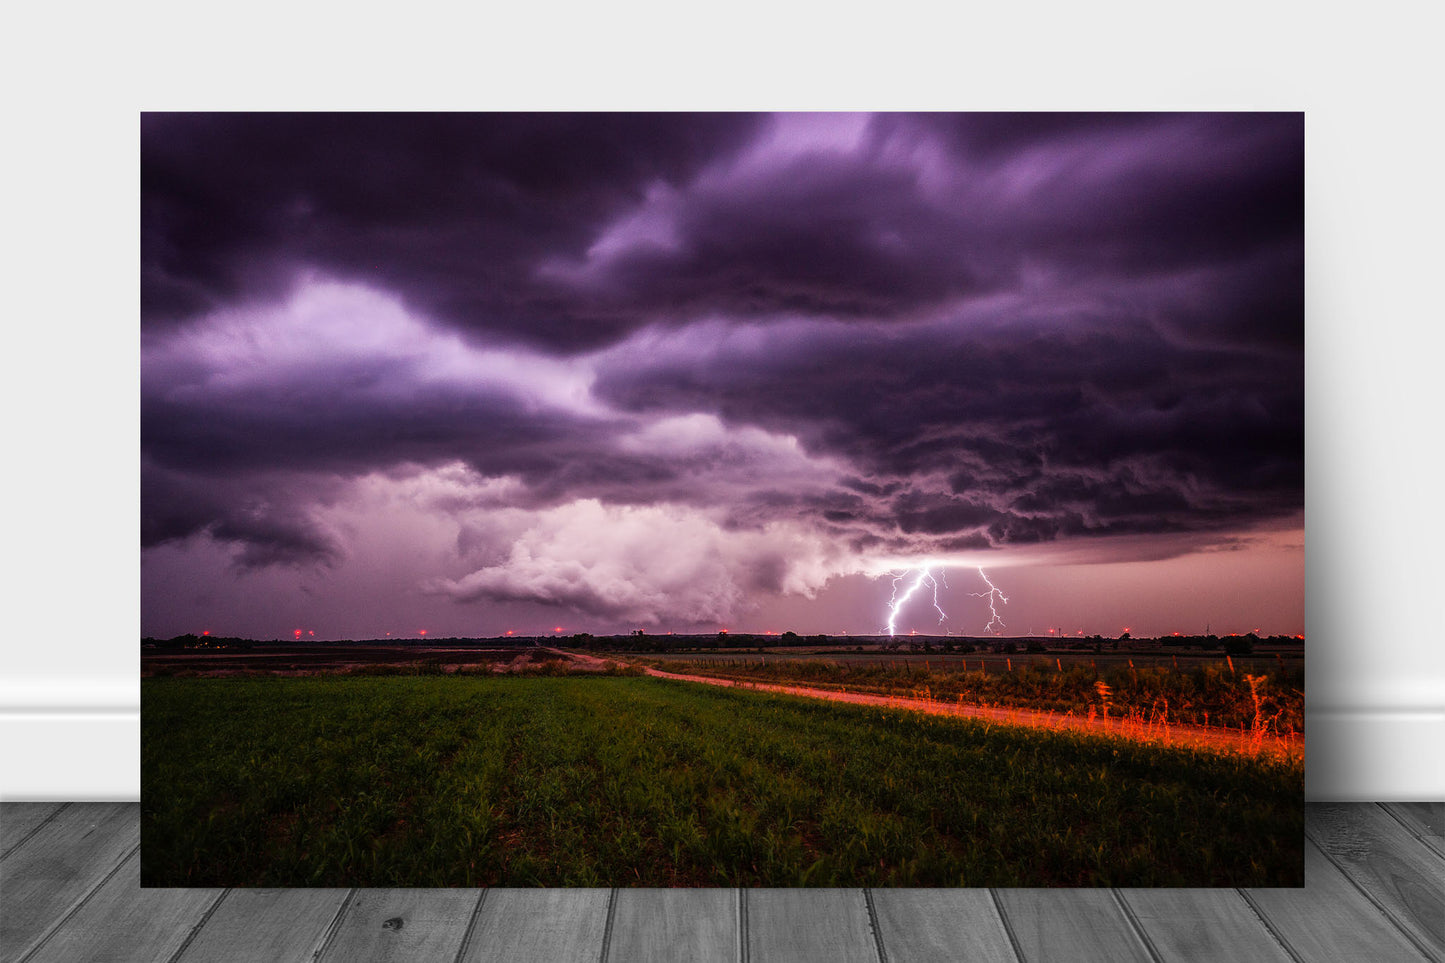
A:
1269, 927
471, 928
330, 936
65, 917
1008, 927
1436, 849
196, 929
1425, 841
743, 952
35, 829
874, 927
1394, 816
1389, 917
607, 929
1136, 926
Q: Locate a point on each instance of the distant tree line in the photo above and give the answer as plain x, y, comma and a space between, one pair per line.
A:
641, 641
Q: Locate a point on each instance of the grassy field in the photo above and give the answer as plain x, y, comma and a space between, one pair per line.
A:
602, 781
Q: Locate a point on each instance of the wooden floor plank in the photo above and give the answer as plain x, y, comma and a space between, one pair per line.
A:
75, 879
1426, 820
1329, 918
65, 860
1202, 925
18, 820
685, 925
1079, 925
941, 926
386, 925
266, 926
808, 926
1388, 863
539, 926
122, 923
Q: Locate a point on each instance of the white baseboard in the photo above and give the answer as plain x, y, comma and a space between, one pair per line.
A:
70, 755
1355, 754
78, 696
1352, 754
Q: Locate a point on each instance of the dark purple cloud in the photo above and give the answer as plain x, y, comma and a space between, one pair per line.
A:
452, 211
802, 343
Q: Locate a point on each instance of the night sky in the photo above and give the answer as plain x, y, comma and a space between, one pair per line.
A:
472, 373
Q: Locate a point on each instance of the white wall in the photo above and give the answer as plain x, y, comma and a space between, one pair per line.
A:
69, 701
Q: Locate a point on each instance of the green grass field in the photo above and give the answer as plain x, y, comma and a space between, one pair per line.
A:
616, 781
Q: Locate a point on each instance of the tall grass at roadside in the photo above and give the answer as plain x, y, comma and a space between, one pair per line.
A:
1269, 703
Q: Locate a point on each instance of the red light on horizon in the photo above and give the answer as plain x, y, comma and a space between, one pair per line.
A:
207, 632
310, 633
511, 632
298, 633
556, 628
421, 631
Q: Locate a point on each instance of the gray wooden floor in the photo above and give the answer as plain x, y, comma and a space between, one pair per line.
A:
69, 891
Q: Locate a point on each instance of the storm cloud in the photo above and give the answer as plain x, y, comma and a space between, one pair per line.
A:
656, 366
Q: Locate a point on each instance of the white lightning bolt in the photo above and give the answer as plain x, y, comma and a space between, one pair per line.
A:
925, 577
993, 611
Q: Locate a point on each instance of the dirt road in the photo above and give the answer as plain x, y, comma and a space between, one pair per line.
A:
1202, 737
